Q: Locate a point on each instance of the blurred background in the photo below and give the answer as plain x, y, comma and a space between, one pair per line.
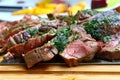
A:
11, 10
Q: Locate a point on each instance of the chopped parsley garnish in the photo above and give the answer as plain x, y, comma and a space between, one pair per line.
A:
33, 32
52, 31
75, 37
102, 28
107, 38
93, 29
61, 39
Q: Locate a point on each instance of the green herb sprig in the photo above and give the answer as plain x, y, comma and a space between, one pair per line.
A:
101, 29
33, 32
61, 39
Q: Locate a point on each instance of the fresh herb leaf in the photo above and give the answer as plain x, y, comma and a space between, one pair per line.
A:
93, 29
76, 36
107, 38
33, 32
61, 39
102, 27
52, 31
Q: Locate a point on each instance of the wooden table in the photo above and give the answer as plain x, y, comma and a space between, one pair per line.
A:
60, 72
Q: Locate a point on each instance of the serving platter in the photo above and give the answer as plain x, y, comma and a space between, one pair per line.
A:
59, 61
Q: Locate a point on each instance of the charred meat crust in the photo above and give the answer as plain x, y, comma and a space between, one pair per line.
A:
23, 37
32, 43
11, 28
44, 53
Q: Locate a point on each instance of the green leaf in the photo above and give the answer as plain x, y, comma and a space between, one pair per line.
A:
33, 32
61, 39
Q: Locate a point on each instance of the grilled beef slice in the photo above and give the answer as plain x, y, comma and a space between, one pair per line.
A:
11, 28
79, 51
32, 43
24, 36
44, 53
22, 48
3, 27
5, 24
20, 37
47, 51
103, 24
82, 33
81, 47
111, 49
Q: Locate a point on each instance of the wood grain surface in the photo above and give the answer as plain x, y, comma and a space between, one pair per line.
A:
60, 72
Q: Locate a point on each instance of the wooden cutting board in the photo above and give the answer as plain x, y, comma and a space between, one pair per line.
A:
60, 72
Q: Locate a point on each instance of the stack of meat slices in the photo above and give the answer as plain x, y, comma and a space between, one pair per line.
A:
79, 47
111, 49
108, 25
37, 41
35, 44
82, 49
8, 29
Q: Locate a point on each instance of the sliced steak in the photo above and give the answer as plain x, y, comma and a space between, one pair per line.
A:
103, 24
44, 53
79, 51
3, 27
82, 33
110, 50
80, 46
32, 43
15, 27
24, 36
16, 39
